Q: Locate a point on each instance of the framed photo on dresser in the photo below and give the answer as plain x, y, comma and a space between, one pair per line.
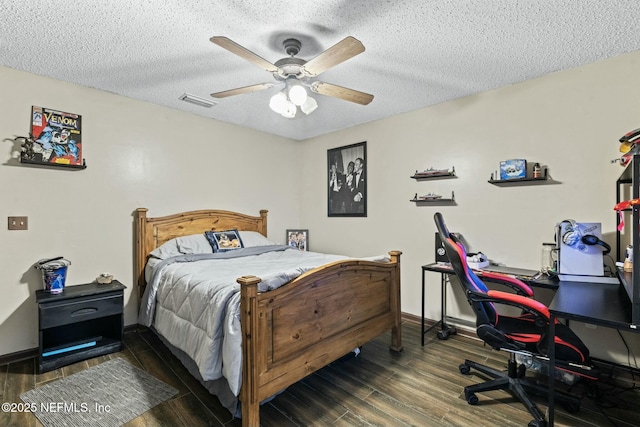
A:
347, 183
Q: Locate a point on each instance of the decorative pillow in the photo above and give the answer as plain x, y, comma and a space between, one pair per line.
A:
223, 241
253, 238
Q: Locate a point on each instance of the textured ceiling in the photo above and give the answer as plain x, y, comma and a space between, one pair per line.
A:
418, 52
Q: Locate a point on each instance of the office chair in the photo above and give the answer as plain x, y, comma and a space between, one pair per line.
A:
524, 334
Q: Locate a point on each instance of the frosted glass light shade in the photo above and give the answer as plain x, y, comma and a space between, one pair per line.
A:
289, 111
297, 94
309, 105
278, 102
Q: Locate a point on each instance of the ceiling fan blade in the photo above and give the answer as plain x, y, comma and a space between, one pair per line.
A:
336, 54
243, 52
242, 90
341, 92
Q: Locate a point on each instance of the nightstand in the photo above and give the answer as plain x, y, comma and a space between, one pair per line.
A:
82, 322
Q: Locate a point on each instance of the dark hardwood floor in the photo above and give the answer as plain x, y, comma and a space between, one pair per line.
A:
418, 387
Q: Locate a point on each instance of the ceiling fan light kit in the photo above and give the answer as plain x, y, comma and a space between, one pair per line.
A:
295, 73
287, 105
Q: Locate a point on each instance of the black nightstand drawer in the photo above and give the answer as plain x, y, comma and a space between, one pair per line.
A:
78, 310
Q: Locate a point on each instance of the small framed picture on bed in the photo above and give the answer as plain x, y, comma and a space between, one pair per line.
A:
298, 239
347, 170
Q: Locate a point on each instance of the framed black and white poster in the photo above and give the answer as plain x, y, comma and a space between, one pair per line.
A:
347, 183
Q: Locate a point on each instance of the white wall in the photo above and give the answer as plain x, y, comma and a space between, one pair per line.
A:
570, 121
141, 155
138, 155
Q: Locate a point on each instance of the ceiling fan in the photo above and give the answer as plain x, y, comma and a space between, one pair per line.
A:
296, 72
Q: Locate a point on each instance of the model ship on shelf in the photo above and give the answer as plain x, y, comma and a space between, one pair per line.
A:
431, 172
428, 196
432, 197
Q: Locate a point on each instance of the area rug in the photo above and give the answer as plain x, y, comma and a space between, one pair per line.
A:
106, 395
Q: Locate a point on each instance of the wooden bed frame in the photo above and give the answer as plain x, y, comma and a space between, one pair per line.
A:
293, 331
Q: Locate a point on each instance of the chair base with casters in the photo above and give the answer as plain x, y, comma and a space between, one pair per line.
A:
514, 380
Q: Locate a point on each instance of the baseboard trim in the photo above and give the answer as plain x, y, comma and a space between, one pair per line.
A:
462, 328
18, 356
33, 352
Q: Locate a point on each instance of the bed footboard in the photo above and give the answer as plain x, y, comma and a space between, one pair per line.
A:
293, 331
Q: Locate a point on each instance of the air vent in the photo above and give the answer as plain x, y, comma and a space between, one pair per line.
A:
187, 97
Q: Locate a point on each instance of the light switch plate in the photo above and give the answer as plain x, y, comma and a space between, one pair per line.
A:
18, 223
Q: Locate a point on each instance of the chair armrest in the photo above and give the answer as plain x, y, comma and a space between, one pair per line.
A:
517, 285
525, 303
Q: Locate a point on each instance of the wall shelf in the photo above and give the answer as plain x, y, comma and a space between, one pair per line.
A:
430, 174
434, 201
521, 181
528, 180
421, 176
54, 165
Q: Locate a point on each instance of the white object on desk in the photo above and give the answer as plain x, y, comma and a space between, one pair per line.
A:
477, 261
478, 265
576, 257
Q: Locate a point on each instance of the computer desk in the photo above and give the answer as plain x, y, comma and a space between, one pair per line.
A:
602, 304
445, 271
595, 303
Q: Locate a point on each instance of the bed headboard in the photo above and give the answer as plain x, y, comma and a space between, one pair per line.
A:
153, 232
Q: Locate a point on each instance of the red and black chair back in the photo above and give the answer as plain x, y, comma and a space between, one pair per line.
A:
526, 331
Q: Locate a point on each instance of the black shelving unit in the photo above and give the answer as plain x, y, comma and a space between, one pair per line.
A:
631, 281
625, 180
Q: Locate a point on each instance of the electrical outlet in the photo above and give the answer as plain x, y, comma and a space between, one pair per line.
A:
18, 223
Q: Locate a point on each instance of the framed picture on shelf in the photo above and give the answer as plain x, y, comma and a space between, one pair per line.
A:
56, 138
347, 183
513, 169
298, 239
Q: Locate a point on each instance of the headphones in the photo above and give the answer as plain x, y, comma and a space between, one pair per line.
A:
573, 235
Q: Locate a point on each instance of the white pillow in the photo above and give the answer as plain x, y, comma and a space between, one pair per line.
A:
192, 244
253, 238
166, 250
